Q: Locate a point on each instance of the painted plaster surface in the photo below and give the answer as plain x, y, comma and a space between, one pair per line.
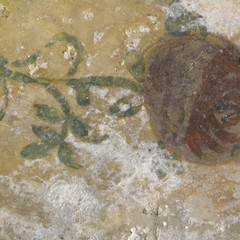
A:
128, 186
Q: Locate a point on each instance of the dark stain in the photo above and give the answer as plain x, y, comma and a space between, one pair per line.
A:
192, 92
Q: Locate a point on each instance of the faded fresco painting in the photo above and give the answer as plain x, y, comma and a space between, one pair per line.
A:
119, 119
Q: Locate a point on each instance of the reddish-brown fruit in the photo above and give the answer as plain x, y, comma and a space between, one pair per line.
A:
192, 92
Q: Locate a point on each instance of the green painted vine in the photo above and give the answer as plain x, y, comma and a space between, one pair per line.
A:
179, 23
50, 139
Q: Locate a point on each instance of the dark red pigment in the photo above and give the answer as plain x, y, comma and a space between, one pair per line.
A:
192, 92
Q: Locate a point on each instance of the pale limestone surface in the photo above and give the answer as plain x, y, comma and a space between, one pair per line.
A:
129, 188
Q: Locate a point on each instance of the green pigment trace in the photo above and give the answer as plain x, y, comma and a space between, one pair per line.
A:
50, 138
149, 81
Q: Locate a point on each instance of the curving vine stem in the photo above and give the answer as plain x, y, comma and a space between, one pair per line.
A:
50, 138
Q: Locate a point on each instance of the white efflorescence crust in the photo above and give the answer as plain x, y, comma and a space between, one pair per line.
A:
222, 16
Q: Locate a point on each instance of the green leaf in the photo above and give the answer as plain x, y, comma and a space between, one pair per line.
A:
161, 144
99, 138
4, 72
182, 22
235, 152
23, 63
126, 106
78, 127
2, 113
4, 104
83, 98
82, 92
47, 113
95, 139
3, 61
47, 135
66, 155
161, 173
136, 65
36, 150
59, 98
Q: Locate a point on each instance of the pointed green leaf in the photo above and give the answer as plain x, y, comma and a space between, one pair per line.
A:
82, 92
66, 155
126, 106
235, 152
79, 127
59, 98
96, 139
2, 113
36, 150
4, 72
161, 144
47, 113
99, 138
136, 65
4, 104
83, 98
181, 22
47, 135
161, 173
3, 61
25, 62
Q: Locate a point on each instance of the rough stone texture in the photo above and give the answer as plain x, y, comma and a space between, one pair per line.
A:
129, 188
